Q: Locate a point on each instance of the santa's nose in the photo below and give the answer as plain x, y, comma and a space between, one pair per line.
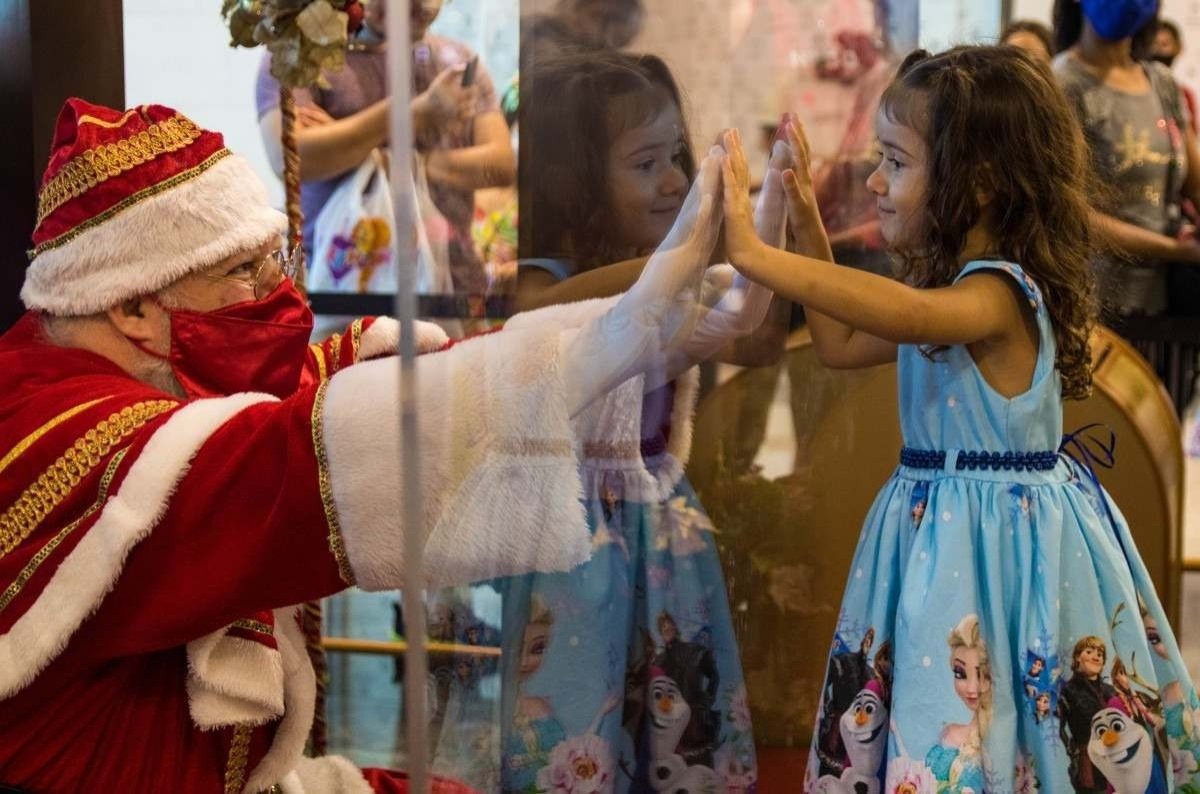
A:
1110, 738
664, 705
860, 719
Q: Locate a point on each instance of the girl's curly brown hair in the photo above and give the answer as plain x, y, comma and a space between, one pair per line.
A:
995, 120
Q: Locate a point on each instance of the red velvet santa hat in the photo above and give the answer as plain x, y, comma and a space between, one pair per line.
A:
131, 202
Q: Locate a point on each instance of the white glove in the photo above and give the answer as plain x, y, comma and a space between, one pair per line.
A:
659, 311
735, 305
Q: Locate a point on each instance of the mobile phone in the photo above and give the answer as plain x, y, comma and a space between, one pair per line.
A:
468, 77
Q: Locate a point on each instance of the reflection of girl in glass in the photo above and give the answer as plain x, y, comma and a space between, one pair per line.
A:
957, 759
606, 162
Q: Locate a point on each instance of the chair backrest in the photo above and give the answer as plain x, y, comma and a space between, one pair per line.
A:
786, 539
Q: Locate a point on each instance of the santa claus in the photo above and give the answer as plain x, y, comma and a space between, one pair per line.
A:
180, 465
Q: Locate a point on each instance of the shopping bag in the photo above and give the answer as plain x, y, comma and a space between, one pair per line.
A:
353, 244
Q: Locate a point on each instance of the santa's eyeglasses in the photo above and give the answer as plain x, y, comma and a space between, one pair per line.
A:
265, 274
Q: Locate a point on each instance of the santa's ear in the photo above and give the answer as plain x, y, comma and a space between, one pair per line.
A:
139, 319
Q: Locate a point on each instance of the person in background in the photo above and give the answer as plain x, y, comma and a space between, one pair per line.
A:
593, 24
1121, 98
459, 129
495, 226
1031, 36
1168, 43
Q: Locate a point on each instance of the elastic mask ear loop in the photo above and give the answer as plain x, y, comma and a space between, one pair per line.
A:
140, 345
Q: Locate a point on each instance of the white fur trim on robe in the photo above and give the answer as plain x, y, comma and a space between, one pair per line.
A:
383, 338
299, 699
91, 570
233, 681
499, 476
562, 315
330, 774
155, 242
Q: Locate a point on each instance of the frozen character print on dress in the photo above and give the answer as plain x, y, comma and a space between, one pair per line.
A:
918, 499
1141, 706
693, 669
539, 754
1124, 752
1084, 695
848, 674
535, 729
864, 736
957, 759
1042, 681
670, 716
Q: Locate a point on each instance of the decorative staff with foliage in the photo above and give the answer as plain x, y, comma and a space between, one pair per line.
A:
305, 38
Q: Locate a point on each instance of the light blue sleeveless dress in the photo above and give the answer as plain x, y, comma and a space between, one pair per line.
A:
999, 631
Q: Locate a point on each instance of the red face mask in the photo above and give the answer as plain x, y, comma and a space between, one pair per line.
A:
254, 346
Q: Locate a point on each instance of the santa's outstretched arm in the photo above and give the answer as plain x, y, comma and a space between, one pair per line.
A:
500, 475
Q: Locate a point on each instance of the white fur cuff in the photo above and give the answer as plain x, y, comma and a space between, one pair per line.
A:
499, 476
383, 338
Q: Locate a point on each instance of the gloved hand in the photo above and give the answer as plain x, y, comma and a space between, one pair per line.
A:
735, 305
659, 312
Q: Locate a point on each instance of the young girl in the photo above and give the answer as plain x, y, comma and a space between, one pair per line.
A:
980, 196
613, 166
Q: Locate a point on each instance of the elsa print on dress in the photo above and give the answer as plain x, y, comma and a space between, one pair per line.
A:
540, 756
957, 759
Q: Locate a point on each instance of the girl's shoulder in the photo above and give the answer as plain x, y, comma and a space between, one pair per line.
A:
1028, 286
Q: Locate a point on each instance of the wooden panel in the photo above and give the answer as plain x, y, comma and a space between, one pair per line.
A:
16, 155
78, 50
49, 50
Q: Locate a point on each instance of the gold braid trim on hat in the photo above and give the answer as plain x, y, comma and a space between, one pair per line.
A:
84, 172
55, 484
129, 201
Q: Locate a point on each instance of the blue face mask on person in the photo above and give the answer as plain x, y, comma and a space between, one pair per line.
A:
1118, 19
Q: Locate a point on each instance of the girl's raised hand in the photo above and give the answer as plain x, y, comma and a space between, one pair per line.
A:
741, 240
804, 216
